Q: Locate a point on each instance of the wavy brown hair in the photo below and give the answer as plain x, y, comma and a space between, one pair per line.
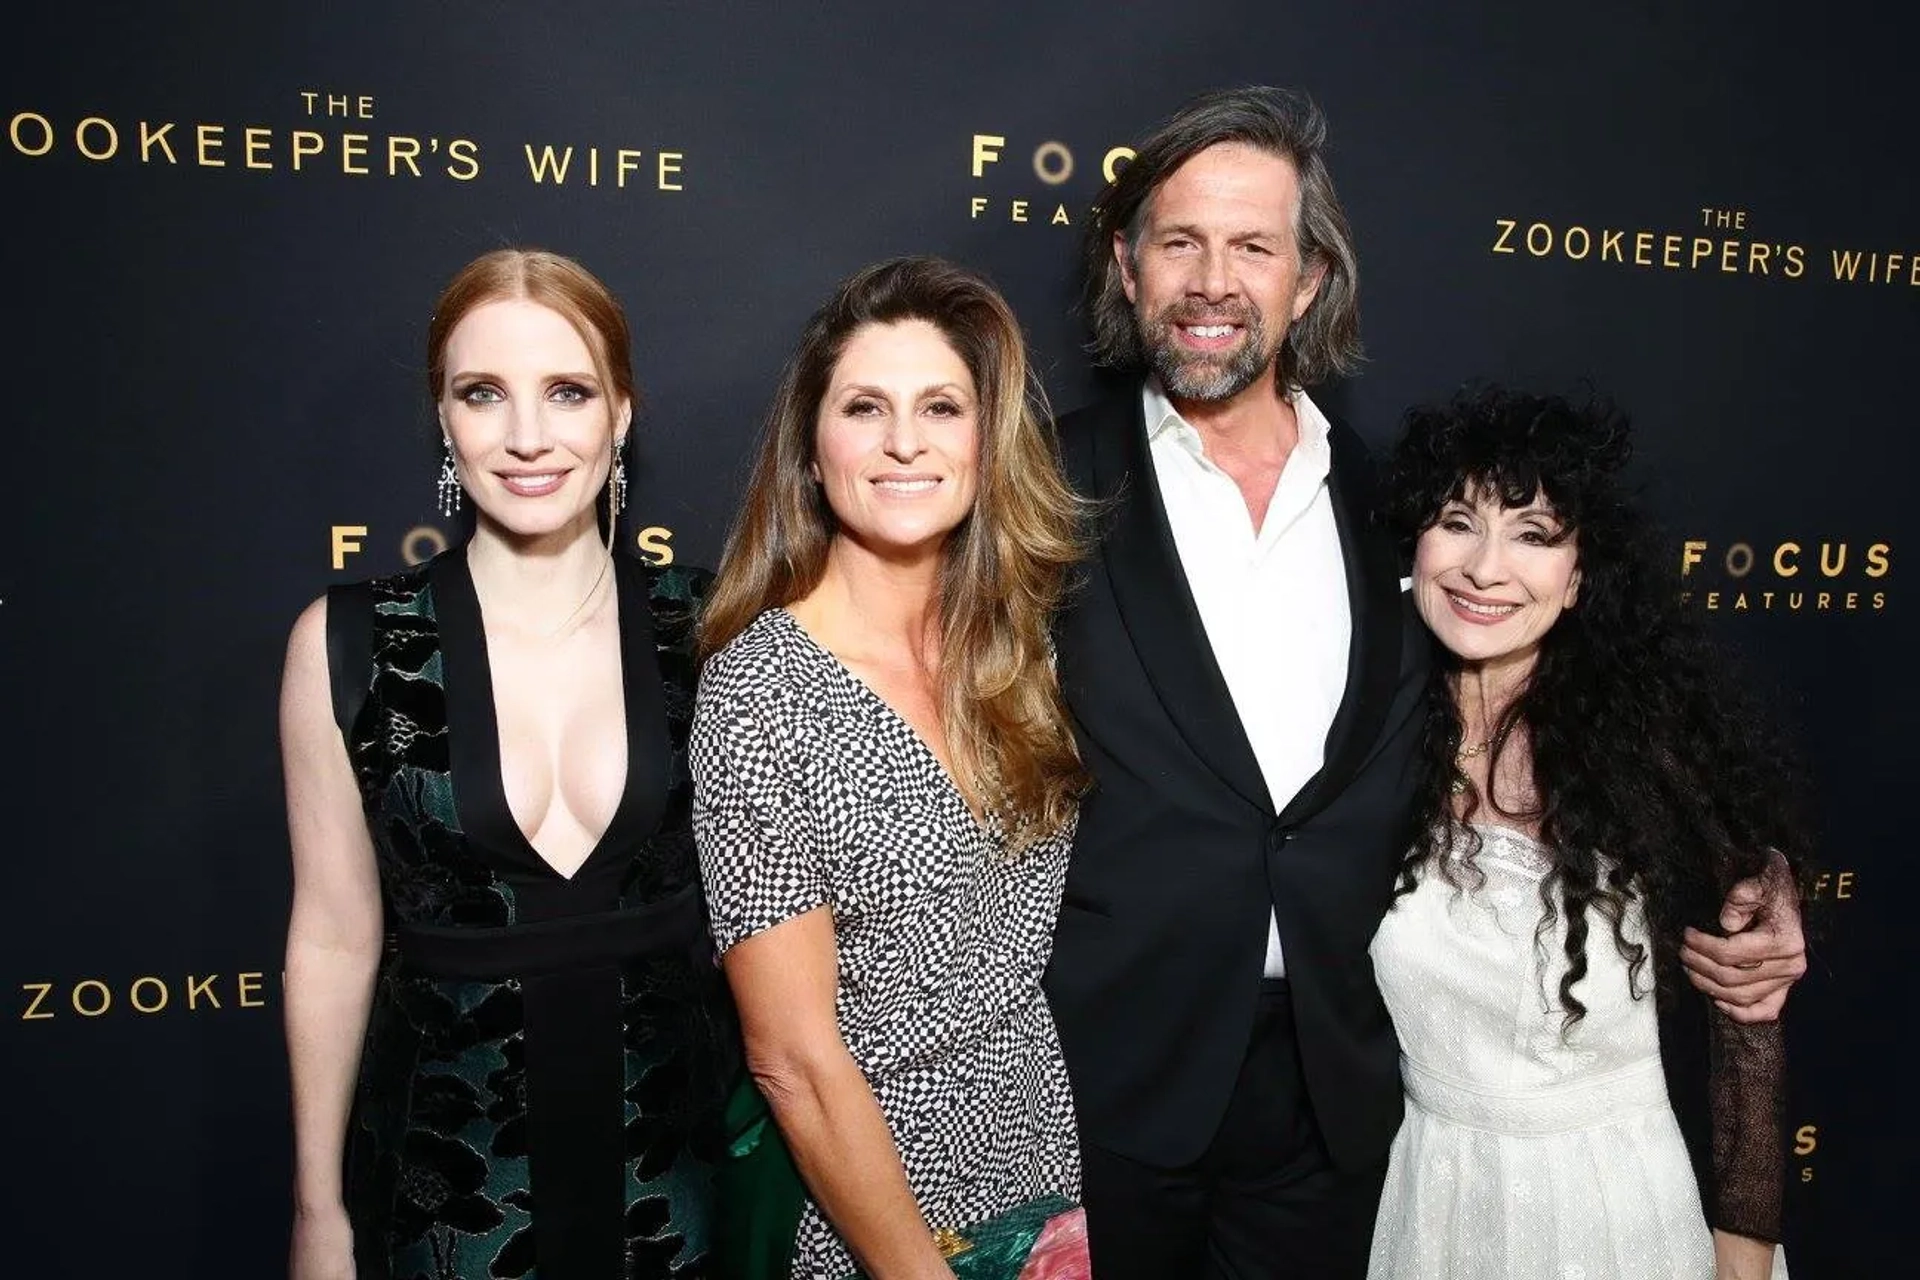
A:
1282, 122
1003, 570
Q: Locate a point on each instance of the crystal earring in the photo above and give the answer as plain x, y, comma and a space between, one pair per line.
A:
449, 486
619, 481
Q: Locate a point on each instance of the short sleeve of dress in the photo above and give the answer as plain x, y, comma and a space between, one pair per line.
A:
760, 861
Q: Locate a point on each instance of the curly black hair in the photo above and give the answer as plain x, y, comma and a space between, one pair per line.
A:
1657, 777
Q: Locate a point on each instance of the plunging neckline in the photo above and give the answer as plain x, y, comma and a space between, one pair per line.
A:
987, 825
475, 760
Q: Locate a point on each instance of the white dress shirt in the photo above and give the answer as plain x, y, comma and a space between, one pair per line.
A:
1274, 602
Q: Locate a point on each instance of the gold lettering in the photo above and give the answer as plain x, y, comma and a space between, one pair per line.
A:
548, 163
402, 150
1835, 568
422, 533
1019, 210
1702, 248
1506, 226
46, 133
249, 985
1781, 564
306, 143
151, 138
106, 998
1729, 252
1642, 248
1544, 249
1806, 1140
1877, 564
1670, 250
197, 987
465, 154
257, 140
353, 146
113, 138
1060, 218
346, 541
667, 163
1796, 262
133, 995
1742, 554
655, 543
39, 991
1052, 163
1111, 163
986, 151
1690, 552
625, 161
1757, 255
1843, 885
1610, 246
1586, 242
209, 138
974, 205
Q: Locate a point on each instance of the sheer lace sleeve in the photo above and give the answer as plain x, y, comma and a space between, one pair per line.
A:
1747, 1097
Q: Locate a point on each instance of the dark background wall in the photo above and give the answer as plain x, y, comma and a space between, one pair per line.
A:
219, 261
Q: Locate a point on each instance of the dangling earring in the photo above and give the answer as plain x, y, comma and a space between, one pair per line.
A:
449, 485
618, 484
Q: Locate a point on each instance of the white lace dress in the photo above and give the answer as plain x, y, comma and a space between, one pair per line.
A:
1526, 1155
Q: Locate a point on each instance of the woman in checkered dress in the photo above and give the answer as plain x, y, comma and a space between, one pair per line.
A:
885, 778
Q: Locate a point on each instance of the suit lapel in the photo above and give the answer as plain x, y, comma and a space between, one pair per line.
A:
1156, 604
1373, 598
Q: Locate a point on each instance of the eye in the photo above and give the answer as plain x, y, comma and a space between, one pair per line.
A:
862, 407
1454, 522
1257, 250
478, 393
569, 393
944, 408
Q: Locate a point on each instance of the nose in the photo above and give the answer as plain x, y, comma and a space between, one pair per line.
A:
904, 441
527, 435
1213, 279
1485, 565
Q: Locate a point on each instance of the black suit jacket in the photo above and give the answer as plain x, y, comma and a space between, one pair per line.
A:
1181, 853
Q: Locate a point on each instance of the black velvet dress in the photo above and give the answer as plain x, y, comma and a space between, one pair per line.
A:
546, 1056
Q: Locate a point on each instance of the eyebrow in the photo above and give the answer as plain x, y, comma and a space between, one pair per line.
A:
479, 375
1199, 233
937, 388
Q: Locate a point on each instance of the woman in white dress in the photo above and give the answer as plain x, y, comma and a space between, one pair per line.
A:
1594, 787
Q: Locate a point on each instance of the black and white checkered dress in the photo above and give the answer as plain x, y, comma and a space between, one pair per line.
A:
810, 791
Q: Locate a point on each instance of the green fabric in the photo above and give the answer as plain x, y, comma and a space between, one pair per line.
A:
758, 1193
999, 1246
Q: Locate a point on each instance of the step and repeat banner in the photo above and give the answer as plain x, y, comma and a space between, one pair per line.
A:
226, 225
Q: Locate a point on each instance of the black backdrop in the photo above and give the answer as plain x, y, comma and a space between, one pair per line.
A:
226, 224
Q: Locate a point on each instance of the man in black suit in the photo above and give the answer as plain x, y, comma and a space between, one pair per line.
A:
1247, 679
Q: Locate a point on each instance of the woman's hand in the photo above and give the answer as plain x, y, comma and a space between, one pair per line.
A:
322, 1246
784, 983
1741, 1257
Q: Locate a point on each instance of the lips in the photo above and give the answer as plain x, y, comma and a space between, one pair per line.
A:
531, 484
1479, 611
906, 486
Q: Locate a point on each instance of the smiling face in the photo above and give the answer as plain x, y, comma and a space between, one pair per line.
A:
1215, 276
1490, 581
897, 439
530, 420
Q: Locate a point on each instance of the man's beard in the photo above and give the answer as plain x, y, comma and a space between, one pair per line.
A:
1205, 376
